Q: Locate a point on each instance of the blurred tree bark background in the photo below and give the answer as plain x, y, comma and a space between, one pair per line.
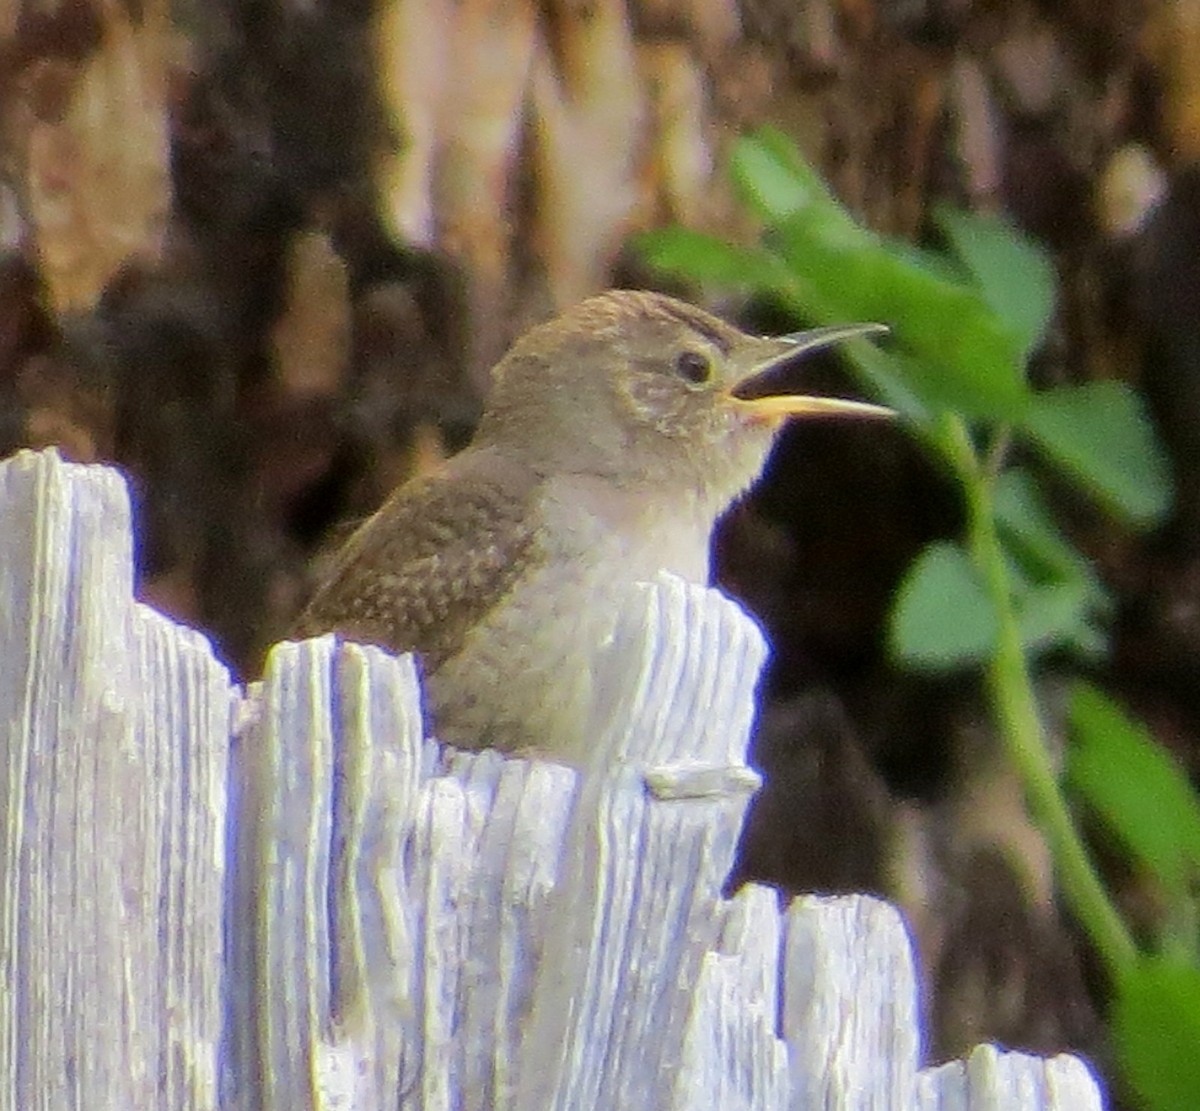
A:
261, 253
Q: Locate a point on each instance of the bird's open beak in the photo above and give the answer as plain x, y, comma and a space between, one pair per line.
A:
761, 393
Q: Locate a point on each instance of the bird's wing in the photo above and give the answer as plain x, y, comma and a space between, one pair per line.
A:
431, 563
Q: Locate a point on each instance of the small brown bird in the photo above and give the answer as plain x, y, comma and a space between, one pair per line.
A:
613, 438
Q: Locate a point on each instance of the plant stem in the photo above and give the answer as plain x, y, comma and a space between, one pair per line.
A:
1015, 709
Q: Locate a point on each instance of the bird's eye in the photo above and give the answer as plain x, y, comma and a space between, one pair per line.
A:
693, 367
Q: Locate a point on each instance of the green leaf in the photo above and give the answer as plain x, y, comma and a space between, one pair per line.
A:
1156, 1028
888, 376
1055, 612
1023, 519
1041, 557
1015, 276
1053, 615
772, 178
943, 389
963, 358
939, 266
1099, 433
704, 258
1135, 786
942, 619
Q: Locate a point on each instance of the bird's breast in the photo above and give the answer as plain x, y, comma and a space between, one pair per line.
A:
523, 678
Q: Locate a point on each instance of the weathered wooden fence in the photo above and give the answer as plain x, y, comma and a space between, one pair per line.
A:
288, 898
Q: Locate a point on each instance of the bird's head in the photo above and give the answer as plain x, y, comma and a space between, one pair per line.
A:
650, 392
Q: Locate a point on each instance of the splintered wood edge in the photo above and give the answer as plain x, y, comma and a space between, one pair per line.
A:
120, 870
994, 1078
651, 841
732, 1054
181, 735
849, 1006
329, 763
675, 686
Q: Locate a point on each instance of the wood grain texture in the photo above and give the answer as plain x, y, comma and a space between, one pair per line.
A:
344, 915
114, 725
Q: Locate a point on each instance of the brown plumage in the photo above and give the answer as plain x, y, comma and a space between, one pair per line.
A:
613, 438
432, 563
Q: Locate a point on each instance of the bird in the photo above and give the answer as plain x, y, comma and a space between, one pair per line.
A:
612, 438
